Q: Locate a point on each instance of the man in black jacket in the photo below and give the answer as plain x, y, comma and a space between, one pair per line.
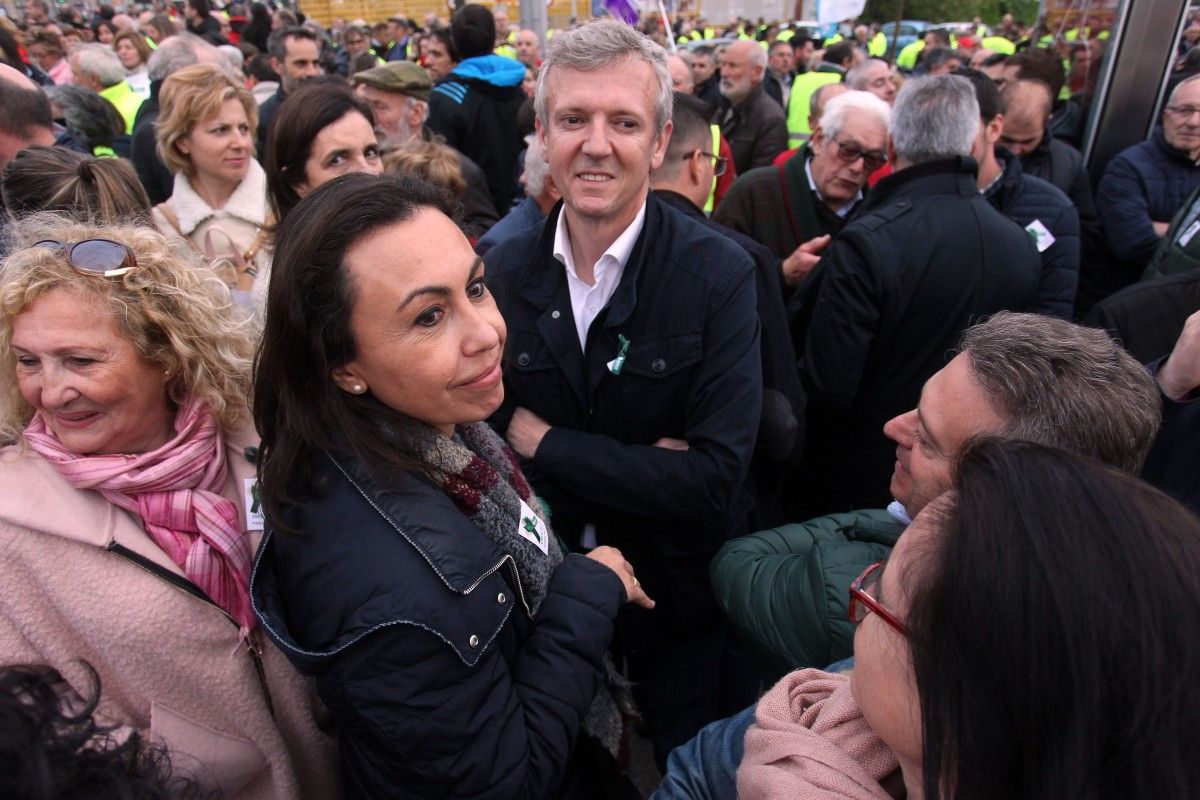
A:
925, 256
632, 369
1042, 210
295, 56
475, 108
683, 182
754, 125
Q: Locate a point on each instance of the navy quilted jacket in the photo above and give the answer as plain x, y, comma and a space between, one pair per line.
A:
1145, 183
1025, 200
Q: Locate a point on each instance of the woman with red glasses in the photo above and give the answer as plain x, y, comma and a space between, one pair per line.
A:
1033, 635
128, 508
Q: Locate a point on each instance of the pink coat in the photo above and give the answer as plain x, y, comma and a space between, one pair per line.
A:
170, 664
809, 740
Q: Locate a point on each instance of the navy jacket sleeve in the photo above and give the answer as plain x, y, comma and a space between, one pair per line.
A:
426, 723
1060, 266
1124, 208
845, 320
720, 428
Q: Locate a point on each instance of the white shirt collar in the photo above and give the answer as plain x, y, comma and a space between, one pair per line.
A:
843, 210
618, 251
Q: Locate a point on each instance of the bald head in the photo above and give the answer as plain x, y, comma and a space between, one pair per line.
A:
820, 98
1026, 105
15, 78
682, 79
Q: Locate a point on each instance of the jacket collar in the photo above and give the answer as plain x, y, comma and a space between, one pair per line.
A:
1174, 153
247, 203
943, 176
680, 203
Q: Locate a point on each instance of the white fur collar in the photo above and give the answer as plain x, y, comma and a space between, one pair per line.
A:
248, 201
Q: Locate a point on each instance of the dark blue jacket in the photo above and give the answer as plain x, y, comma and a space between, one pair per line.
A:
1143, 184
1025, 199
411, 620
475, 110
686, 304
525, 216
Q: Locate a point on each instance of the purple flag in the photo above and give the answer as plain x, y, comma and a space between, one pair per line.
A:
624, 10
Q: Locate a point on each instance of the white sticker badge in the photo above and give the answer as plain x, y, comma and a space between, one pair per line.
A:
252, 502
532, 528
1041, 235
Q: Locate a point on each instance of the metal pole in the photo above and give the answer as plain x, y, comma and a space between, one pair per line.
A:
891, 57
533, 17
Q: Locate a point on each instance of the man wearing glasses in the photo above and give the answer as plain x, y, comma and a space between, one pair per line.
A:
1146, 184
925, 256
796, 207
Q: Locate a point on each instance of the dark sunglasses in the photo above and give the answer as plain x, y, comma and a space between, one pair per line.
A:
849, 153
102, 257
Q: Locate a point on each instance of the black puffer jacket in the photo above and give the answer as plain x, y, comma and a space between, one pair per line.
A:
1027, 200
410, 618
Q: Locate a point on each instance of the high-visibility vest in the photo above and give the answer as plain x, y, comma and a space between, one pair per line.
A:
786, 36
837, 37
126, 100
909, 55
716, 148
803, 86
998, 44
877, 47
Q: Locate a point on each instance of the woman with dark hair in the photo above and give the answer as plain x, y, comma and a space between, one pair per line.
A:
406, 562
258, 28
323, 131
1031, 636
103, 31
199, 20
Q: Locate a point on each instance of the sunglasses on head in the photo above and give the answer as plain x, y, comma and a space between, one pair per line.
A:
102, 257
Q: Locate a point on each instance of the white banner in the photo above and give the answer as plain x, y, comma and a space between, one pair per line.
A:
830, 11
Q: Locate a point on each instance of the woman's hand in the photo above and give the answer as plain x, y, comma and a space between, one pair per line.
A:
611, 557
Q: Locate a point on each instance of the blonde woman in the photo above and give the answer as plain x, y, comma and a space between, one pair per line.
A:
127, 511
219, 202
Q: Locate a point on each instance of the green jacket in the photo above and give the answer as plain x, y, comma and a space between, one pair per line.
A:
785, 591
1179, 249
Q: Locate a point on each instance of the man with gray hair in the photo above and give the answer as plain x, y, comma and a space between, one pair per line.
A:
875, 76
631, 363
750, 120
925, 256
173, 54
795, 208
98, 68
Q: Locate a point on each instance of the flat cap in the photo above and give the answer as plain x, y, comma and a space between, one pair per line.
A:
397, 76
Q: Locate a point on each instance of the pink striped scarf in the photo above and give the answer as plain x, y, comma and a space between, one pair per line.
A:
175, 490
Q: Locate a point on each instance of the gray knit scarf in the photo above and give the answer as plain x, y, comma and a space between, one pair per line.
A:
480, 474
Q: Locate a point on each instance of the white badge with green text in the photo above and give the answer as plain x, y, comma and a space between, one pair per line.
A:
532, 528
1042, 237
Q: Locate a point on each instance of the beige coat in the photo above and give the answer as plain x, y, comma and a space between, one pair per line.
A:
170, 664
241, 220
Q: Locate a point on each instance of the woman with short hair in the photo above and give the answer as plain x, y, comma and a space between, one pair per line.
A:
46, 48
205, 135
133, 51
128, 514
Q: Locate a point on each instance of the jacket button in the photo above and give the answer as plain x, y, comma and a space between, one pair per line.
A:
500, 598
555, 314
473, 641
659, 365
523, 360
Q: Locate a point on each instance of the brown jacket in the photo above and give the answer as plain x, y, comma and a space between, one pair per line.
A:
82, 581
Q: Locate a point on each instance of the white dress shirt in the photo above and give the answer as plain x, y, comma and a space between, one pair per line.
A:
587, 301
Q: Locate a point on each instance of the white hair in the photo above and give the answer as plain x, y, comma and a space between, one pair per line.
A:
233, 56
536, 168
833, 117
598, 44
176, 52
857, 77
101, 61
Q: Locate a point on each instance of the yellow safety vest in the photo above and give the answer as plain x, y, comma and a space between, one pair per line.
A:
837, 37
716, 148
126, 100
877, 47
909, 55
998, 44
803, 87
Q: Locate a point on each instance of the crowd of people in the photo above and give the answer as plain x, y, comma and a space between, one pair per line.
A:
441, 410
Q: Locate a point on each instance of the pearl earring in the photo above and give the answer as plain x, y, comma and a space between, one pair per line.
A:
357, 388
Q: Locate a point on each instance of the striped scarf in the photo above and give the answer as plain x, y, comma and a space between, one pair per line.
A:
176, 492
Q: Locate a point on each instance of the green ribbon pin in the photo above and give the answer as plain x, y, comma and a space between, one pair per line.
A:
256, 494
622, 351
531, 527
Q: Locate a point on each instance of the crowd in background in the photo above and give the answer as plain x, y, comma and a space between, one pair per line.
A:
440, 409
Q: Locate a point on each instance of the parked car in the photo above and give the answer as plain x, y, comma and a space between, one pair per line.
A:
910, 31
